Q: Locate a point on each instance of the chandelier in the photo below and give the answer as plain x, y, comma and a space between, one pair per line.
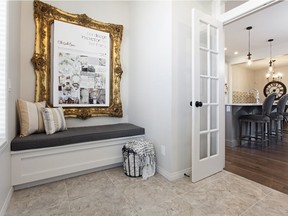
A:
271, 75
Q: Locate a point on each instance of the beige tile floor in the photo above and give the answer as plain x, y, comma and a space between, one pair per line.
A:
112, 193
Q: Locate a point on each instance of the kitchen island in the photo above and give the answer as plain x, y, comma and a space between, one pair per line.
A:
232, 113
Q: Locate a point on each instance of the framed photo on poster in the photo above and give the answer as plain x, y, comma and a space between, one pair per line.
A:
81, 66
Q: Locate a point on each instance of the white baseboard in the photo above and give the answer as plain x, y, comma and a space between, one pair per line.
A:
6, 203
175, 175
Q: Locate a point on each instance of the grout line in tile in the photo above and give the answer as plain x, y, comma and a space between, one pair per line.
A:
243, 179
69, 203
260, 200
176, 195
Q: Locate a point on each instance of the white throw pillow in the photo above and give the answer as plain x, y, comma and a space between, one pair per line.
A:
54, 120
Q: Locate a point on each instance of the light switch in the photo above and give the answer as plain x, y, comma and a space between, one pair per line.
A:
228, 108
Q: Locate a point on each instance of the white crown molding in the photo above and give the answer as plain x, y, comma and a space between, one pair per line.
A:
244, 10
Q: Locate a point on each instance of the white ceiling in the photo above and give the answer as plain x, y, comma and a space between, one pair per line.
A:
268, 23
230, 4
263, 64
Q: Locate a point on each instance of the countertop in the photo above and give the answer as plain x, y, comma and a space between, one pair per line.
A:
244, 104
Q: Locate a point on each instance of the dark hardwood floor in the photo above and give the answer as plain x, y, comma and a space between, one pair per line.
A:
267, 166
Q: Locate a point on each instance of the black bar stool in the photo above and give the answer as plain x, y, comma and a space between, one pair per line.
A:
277, 118
262, 120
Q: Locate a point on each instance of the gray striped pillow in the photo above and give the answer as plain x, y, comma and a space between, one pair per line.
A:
30, 117
54, 120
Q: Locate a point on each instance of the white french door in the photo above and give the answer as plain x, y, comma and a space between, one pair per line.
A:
208, 127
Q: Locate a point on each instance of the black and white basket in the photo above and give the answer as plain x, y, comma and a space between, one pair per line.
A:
131, 163
139, 158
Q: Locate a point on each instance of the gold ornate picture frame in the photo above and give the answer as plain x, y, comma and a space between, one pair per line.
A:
44, 16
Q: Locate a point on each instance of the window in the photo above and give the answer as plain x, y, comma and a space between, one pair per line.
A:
3, 8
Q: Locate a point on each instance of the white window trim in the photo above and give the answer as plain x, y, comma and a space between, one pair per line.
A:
3, 144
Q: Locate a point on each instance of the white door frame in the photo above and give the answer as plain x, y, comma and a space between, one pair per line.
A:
245, 9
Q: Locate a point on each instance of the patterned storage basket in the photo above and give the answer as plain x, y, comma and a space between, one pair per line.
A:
131, 163
139, 158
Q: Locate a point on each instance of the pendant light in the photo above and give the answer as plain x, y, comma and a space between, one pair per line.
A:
271, 61
249, 62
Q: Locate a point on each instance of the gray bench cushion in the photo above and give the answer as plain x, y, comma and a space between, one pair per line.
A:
76, 135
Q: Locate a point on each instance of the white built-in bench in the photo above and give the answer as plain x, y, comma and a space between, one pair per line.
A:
40, 156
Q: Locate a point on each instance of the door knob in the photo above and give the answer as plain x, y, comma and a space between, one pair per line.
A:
198, 104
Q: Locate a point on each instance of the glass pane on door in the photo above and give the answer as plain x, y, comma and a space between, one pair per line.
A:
213, 38
203, 118
203, 62
203, 35
204, 90
213, 117
213, 90
203, 146
213, 64
214, 143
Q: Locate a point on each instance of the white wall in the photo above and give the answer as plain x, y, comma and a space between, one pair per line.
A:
105, 11
243, 78
13, 68
150, 74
